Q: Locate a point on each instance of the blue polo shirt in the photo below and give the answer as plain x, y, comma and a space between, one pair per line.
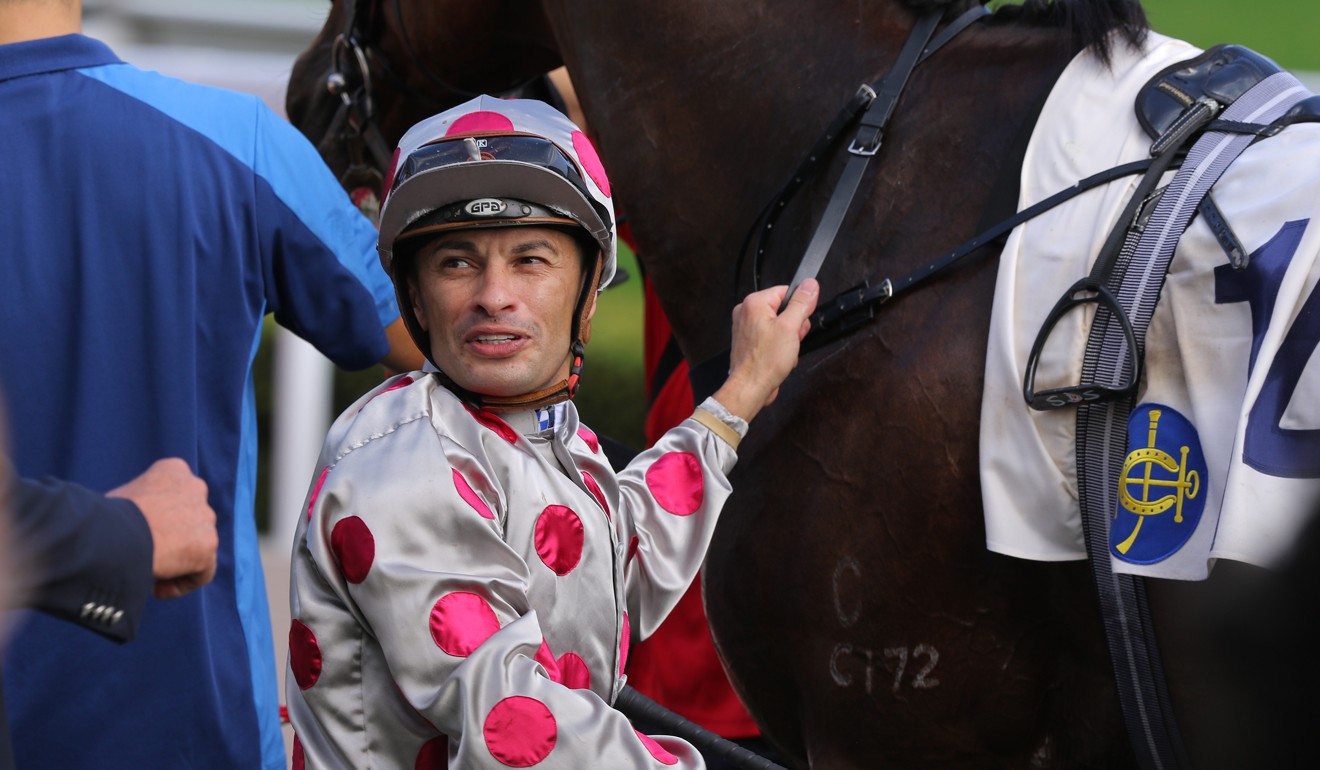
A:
147, 226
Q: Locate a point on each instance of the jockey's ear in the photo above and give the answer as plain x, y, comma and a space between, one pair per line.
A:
589, 304
415, 302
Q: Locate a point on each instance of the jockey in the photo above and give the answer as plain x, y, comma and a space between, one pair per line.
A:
469, 569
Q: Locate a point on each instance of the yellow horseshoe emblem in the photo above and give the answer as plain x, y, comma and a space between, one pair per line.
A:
1185, 487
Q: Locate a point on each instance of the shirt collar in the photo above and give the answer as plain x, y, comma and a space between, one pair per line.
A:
531, 422
53, 54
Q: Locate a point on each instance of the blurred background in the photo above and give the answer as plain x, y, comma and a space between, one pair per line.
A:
250, 45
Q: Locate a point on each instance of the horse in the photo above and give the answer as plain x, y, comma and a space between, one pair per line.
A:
849, 589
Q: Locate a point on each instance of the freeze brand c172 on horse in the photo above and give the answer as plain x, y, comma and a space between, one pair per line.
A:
1066, 210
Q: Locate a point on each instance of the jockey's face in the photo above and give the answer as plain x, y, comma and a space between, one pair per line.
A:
498, 306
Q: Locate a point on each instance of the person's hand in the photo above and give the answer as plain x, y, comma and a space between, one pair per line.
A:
765, 346
184, 538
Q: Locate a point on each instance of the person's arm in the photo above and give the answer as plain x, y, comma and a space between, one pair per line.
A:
85, 558
404, 355
324, 278
93, 559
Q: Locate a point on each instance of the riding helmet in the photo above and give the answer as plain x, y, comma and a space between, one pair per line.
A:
497, 163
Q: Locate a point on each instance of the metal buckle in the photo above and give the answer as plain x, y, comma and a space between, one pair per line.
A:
868, 147
1076, 395
846, 312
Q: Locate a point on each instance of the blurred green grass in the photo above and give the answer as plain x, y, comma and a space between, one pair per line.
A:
1284, 30
613, 396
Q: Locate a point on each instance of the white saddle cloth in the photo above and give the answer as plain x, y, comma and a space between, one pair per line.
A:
1223, 451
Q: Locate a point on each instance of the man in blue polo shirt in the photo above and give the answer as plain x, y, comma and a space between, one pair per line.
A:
146, 228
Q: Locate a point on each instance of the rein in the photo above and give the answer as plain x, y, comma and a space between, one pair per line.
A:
706, 376
846, 311
849, 309
866, 143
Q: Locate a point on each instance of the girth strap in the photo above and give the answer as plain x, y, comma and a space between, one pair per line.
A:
1136, 281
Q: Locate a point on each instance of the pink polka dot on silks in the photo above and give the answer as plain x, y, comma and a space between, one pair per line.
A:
299, 761
316, 491
589, 436
624, 640
354, 547
494, 423
402, 382
520, 731
591, 161
304, 655
559, 538
475, 122
573, 671
461, 621
676, 482
594, 488
470, 497
568, 669
659, 752
548, 661
434, 755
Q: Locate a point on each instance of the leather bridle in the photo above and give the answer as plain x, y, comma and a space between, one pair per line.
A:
354, 124
869, 111
352, 55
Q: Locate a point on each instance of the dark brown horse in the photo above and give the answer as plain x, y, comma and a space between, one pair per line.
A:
849, 588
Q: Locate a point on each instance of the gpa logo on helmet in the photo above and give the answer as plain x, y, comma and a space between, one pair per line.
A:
485, 207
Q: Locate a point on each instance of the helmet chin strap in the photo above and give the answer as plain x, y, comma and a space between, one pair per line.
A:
563, 390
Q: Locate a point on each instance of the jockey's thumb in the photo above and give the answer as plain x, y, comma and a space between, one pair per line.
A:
802, 302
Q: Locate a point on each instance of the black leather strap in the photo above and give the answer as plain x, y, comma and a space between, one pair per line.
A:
865, 144
707, 376
887, 93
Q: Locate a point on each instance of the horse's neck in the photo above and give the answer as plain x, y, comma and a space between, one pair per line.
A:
700, 120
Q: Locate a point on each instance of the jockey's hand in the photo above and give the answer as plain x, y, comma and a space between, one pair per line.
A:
765, 346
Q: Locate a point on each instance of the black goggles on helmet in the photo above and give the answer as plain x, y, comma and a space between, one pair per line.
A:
522, 148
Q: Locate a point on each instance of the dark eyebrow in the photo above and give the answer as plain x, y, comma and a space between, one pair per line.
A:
539, 243
459, 244
454, 243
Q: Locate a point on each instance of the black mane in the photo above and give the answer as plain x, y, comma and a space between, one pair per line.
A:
1089, 21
